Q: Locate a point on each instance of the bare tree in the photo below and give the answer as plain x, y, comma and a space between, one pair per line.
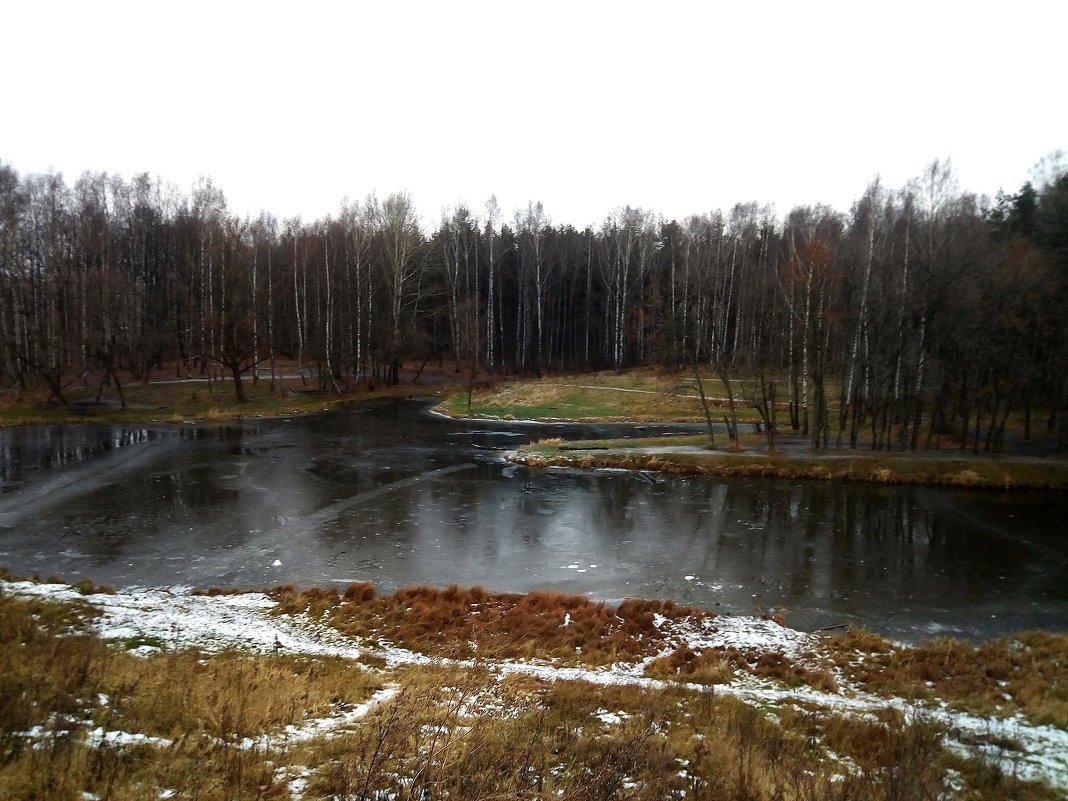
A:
398, 232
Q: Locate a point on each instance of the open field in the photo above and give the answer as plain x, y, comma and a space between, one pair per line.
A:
638, 395
290, 695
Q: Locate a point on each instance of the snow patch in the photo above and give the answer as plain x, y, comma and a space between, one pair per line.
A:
177, 618
99, 737
610, 718
320, 727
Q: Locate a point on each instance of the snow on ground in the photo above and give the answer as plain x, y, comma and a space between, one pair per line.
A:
745, 633
176, 618
321, 727
1042, 752
98, 737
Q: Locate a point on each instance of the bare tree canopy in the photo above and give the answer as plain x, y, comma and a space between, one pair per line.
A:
923, 315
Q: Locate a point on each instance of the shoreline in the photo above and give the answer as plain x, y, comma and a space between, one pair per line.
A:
923, 468
659, 650
1002, 474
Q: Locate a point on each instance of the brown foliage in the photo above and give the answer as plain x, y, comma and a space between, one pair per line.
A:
461, 621
719, 665
1028, 672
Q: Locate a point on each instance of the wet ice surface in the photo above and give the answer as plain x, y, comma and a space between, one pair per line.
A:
390, 494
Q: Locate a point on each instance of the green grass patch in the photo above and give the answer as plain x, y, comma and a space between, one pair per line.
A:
680, 440
640, 397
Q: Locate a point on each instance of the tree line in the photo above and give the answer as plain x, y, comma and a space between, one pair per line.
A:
922, 316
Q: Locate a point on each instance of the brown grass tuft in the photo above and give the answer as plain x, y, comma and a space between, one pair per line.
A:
1028, 672
461, 621
708, 667
360, 592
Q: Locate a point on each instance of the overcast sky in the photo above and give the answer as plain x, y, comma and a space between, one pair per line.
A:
676, 107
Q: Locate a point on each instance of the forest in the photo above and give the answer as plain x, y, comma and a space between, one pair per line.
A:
924, 315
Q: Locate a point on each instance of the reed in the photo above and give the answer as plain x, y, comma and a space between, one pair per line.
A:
464, 622
452, 731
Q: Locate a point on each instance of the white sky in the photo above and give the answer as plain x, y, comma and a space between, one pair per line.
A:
676, 107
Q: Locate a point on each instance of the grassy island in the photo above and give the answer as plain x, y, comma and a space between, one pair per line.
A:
649, 397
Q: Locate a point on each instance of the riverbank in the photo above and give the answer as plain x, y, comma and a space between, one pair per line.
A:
678, 456
643, 397
208, 398
462, 692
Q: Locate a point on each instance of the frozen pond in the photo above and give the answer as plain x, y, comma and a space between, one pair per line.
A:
391, 494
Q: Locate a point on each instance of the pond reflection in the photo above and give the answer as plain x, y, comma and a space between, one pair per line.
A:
390, 494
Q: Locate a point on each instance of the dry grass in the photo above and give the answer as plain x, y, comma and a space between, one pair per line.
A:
720, 665
54, 673
570, 740
464, 622
1026, 673
701, 667
451, 733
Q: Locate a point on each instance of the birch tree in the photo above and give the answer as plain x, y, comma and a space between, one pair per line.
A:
398, 232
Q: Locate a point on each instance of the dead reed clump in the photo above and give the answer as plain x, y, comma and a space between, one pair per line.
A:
707, 667
1027, 672
643, 612
283, 593
858, 640
360, 592
463, 622
89, 587
217, 592
314, 601
422, 618
547, 441
775, 666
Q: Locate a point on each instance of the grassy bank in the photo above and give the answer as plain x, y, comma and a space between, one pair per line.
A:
644, 396
169, 400
660, 455
170, 403
639, 396
130, 695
